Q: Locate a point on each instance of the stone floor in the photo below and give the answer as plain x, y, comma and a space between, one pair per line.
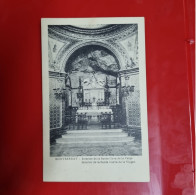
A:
132, 149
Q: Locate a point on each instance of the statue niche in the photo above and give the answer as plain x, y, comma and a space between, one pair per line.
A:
93, 90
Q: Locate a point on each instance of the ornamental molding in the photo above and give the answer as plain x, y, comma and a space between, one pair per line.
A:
55, 74
121, 72
126, 34
119, 31
131, 71
93, 31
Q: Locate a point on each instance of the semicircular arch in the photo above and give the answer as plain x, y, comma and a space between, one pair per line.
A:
75, 47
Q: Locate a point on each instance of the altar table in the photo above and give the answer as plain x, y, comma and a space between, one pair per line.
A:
94, 115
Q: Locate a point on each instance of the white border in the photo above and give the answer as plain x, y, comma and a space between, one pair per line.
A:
68, 170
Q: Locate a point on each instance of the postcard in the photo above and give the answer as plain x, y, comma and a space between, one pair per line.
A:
95, 125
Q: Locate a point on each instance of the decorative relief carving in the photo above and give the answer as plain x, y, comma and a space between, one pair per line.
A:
56, 65
75, 40
54, 46
128, 47
63, 53
121, 50
57, 36
126, 33
116, 31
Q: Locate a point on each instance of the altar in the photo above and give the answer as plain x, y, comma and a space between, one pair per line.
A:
93, 100
94, 113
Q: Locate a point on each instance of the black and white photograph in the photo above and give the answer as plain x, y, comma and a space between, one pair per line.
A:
94, 91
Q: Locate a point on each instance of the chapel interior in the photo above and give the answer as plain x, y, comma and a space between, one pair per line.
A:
93, 77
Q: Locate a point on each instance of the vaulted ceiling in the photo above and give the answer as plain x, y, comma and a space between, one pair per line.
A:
119, 41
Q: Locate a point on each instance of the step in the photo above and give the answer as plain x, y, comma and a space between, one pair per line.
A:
81, 142
95, 131
94, 145
84, 139
95, 134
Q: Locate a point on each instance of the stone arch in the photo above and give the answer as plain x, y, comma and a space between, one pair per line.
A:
77, 46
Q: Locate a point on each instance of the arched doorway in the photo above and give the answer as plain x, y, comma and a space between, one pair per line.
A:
94, 88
